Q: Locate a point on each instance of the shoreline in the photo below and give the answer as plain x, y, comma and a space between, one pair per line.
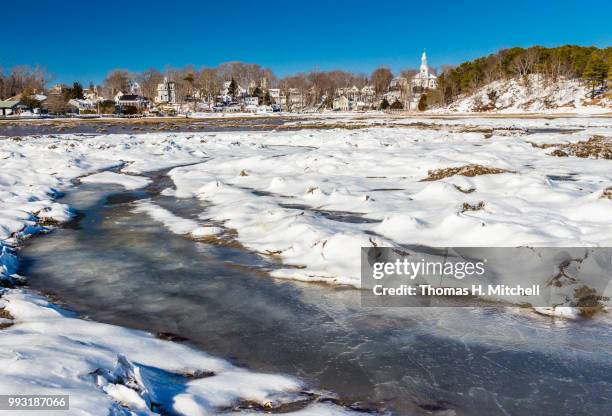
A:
328, 115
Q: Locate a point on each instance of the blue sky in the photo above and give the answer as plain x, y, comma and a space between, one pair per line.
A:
83, 40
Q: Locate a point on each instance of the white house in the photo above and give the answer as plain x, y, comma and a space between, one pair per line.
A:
341, 103
83, 104
251, 101
166, 92
398, 82
424, 78
132, 100
92, 95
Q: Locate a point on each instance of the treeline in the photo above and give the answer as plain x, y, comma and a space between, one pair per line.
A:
315, 87
591, 64
20, 78
205, 83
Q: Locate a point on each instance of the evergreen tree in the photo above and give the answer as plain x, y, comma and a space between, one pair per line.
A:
77, 91
423, 103
27, 98
595, 72
257, 92
232, 90
397, 105
384, 104
267, 99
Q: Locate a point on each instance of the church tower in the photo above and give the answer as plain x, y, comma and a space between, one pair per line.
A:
424, 68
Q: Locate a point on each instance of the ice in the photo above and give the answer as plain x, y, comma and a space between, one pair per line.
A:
174, 223
127, 181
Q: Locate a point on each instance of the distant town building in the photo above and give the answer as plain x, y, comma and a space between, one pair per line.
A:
399, 82
9, 107
56, 89
166, 92
424, 78
92, 94
342, 103
251, 101
132, 100
275, 96
82, 104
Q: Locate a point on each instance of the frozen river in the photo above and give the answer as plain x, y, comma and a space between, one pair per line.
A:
117, 266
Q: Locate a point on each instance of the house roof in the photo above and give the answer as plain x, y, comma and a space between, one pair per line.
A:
129, 97
9, 103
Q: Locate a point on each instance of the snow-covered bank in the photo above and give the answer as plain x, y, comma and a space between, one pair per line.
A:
111, 370
127, 181
175, 224
291, 201
533, 94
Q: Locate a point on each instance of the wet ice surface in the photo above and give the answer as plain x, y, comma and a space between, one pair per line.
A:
120, 267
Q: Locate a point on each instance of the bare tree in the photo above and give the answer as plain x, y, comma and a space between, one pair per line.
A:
492, 70
381, 78
117, 80
208, 83
149, 80
524, 63
20, 78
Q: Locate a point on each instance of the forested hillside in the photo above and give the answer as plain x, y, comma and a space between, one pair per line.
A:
589, 68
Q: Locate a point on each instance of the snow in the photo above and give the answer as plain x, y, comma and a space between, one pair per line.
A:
174, 223
108, 369
310, 198
533, 94
127, 181
348, 171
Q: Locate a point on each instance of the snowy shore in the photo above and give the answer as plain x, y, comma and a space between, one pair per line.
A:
310, 198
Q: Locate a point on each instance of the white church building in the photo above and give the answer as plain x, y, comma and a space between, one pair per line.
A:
424, 78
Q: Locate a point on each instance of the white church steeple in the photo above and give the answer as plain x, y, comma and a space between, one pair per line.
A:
424, 67
424, 78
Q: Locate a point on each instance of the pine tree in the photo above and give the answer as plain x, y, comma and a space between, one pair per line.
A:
267, 99
232, 89
77, 91
257, 92
423, 103
397, 105
27, 98
595, 72
384, 104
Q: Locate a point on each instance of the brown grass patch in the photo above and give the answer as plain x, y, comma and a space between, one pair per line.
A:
607, 193
467, 170
475, 207
597, 147
4, 314
47, 222
588, 301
